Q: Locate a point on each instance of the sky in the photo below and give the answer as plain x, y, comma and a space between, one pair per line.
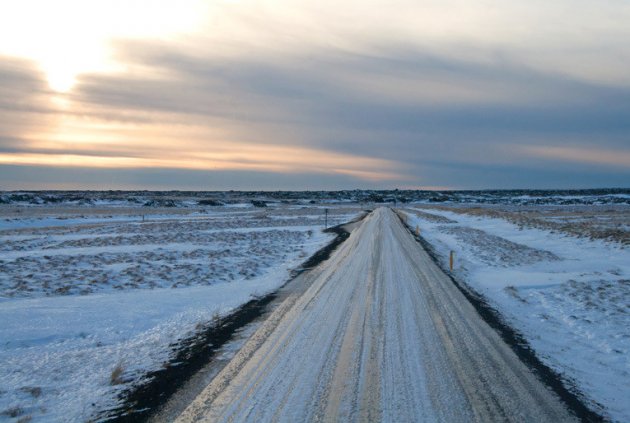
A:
244, 94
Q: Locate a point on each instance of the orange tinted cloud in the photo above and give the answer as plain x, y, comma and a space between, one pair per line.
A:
580, 155
279, 159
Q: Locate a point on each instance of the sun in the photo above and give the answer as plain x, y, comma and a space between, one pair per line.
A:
61, 80
69, 37
67, 58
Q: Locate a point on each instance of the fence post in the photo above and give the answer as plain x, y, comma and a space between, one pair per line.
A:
451, 259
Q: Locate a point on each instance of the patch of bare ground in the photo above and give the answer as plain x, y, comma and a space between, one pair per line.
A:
435, 218
82, 259
497, 251
610, 223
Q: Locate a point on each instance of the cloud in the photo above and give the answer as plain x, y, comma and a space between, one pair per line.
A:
24, 104
397, 103
384, 114
598, 156
275, 159
43, 177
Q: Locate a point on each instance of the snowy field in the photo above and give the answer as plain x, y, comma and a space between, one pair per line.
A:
91, 286
85, 291
559, 275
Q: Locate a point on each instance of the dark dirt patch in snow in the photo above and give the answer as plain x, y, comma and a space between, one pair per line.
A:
431, 217
324, 253
610, 222
131, 261
498, 251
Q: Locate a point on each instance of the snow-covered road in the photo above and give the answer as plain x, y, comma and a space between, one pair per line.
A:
380, 334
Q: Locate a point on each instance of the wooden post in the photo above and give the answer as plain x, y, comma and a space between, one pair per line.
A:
417, 230
326, 222
451, 259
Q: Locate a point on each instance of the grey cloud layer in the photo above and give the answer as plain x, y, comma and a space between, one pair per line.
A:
24, 105
314, 98
452, 122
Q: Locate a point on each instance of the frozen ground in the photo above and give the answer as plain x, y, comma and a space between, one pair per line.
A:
83, 292
555, 280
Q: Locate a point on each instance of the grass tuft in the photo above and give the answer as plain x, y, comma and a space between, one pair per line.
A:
116, 377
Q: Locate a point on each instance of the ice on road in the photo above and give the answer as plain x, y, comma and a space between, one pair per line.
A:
379, 334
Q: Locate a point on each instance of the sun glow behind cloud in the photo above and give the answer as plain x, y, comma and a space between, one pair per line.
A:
69, 37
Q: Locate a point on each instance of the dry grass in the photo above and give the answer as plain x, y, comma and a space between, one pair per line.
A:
12, 412
595, 222
429, 216
84, 259
35, 391
513, 291
116, 377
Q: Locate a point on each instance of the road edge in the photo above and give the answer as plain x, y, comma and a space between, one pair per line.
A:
565, 388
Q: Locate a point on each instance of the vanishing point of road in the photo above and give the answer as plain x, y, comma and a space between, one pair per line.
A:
379, 333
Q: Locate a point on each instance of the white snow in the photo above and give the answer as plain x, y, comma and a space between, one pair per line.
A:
569, 296
57, 352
